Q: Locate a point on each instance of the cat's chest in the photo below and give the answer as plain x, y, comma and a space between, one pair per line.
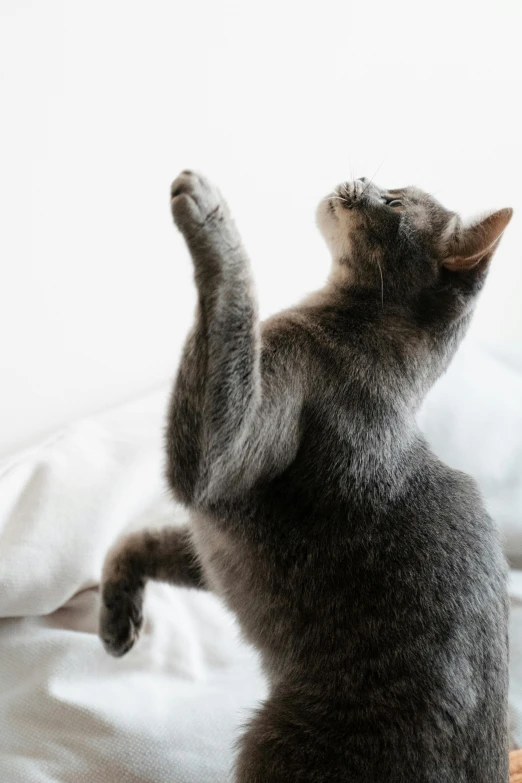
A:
226, 563
248, 576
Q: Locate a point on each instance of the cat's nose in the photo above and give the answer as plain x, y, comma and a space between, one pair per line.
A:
364, 180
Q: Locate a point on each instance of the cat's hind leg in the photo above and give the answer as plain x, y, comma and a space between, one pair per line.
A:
162, 555
294, 737
281, 745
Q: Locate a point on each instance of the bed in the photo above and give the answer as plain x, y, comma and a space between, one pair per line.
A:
171, 709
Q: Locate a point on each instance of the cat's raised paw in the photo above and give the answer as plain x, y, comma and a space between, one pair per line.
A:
120, 617
194, 201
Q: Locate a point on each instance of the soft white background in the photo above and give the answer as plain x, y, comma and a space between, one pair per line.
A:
103, 102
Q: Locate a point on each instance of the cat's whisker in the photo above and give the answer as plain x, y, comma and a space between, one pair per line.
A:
372, 178
329, 198
382, 281
344, 189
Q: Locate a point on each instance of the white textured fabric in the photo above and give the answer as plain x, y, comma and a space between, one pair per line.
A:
473, 420
171, 709
167, 712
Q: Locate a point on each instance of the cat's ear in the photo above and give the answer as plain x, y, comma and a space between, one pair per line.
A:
476, 241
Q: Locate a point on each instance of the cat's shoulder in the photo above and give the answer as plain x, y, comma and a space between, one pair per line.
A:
294, 328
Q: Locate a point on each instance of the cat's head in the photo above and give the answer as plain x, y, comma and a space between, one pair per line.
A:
403, 242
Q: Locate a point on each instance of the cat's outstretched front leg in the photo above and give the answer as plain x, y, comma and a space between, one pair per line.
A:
162, 555
217, 392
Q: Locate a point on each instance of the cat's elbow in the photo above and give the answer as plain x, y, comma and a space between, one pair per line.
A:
181, 484
182, 468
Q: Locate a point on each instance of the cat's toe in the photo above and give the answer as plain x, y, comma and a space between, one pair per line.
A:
120, 619
194, 199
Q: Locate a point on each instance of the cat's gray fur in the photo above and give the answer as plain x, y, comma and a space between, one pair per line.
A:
366, 572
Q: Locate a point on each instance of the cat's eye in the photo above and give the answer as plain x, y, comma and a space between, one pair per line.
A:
396, 202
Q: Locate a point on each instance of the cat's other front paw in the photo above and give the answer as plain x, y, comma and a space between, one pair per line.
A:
121, 616
195, 203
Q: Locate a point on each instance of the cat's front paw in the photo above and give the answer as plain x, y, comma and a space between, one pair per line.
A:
121, 616
195, 202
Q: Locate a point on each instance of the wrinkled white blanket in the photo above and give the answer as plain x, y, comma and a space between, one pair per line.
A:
171, 709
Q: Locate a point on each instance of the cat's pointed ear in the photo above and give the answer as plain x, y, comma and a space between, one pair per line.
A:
476, 241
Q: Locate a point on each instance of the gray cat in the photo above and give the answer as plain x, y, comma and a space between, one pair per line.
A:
366, 572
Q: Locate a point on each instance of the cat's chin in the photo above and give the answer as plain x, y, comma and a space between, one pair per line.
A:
331, 223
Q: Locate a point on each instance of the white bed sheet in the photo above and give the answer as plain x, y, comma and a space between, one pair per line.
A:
168, 711
171, 709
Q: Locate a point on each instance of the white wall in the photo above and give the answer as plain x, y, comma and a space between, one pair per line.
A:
103, 102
